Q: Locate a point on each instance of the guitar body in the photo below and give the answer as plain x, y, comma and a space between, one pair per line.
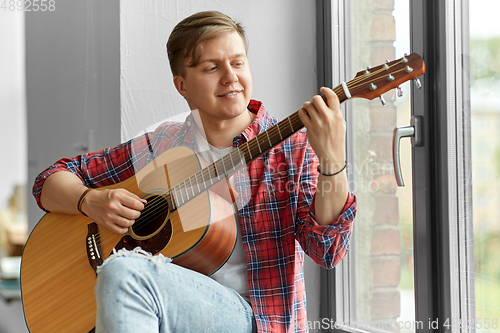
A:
60, 257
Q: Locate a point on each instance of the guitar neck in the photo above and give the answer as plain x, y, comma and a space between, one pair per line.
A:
243, 155
367, 84
274, 135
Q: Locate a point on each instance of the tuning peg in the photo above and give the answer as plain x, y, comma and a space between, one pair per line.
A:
418, 84
400, 91
382, 100
367, 71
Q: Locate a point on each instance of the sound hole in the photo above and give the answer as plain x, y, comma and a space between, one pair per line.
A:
152, 217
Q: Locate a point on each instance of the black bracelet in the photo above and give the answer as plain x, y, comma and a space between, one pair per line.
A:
333, 174
80, 202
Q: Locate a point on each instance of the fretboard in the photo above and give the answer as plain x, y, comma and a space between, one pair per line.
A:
238, 158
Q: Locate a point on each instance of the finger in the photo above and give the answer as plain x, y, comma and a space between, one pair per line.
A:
123, 222
129, 214
118, 229
132, 201
304, 114
316, 110
332, 100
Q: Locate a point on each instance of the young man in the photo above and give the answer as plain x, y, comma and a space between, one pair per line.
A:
260, 288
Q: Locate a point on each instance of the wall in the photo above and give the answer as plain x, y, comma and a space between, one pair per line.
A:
73, 94
12, 103
72, 83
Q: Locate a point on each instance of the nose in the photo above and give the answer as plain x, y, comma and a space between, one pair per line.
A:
229, 76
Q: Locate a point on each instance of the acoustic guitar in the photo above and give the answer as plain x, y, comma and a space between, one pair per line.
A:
188, 217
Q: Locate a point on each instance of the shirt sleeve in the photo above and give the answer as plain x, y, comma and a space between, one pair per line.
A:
106, 167
327, 245
97, 169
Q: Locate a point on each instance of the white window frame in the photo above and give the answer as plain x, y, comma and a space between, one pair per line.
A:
444, 260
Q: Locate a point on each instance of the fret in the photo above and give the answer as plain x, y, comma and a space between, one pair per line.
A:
197, 182
183, 190
231, 158
182, 197
224, 165
177, 195
241, 158
258, 144
209, 175
203, 177
170, 201
291, 127
268, 139
279, 131
249, 152
192, 187
186, 189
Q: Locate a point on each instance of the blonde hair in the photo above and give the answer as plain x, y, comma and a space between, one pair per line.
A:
187, 39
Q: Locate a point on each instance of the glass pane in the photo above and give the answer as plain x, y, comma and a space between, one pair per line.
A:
382, 298
485, 121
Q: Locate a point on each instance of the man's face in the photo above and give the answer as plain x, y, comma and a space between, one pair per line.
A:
220, 86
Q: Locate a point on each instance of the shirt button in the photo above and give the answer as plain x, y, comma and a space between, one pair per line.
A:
188, 123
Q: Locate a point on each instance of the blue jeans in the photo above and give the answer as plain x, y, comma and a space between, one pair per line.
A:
136, 293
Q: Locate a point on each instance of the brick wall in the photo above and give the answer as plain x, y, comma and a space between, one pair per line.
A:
378, 239
385, 244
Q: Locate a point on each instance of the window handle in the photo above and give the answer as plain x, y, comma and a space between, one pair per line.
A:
415, 132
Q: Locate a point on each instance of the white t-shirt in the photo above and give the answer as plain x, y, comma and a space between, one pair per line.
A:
233, 273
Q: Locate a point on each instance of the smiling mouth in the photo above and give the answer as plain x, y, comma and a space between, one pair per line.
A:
233, 93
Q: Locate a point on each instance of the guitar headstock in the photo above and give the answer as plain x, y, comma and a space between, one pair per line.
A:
375, 81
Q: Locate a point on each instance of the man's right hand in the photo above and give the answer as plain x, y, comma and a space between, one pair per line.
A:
115, 209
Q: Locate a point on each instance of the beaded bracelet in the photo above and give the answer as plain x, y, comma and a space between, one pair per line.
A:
80, 202
333, 174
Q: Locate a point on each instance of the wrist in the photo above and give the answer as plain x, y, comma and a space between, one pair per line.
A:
82, 199
331, 169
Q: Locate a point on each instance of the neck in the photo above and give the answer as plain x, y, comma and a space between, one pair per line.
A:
220, 133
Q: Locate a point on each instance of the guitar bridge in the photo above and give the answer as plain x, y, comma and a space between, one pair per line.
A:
94, 250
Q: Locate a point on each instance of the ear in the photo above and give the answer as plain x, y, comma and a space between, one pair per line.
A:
180, 85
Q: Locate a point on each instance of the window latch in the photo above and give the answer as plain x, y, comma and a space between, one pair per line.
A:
415, 132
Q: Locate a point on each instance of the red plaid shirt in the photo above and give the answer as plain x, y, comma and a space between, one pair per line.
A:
277, 224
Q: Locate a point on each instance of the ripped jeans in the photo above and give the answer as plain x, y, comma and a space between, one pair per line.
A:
140, 293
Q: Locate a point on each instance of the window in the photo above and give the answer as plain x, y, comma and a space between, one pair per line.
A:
485, 119
440, 244
380, 263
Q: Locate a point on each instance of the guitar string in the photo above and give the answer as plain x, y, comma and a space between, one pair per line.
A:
157, 206
273, 132
160, 201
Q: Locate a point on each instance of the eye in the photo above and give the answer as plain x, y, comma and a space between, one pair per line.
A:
211, 69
